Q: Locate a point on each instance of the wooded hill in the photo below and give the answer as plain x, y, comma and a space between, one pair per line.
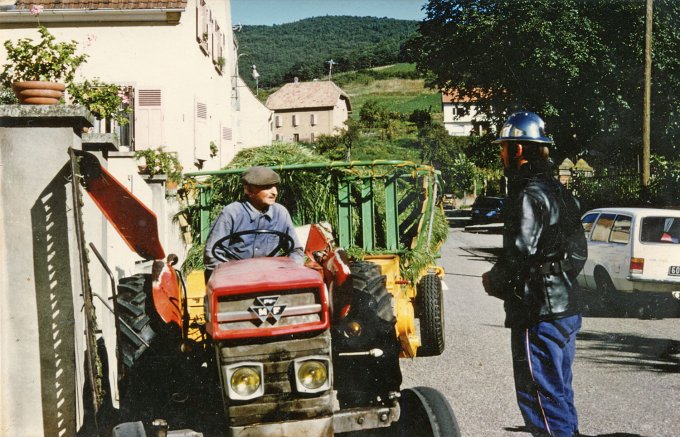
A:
304, 48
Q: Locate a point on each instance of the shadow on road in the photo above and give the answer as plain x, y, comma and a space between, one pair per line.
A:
612, 434
489, 254
629, 305
643, 353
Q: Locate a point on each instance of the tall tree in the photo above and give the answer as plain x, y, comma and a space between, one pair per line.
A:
577, 63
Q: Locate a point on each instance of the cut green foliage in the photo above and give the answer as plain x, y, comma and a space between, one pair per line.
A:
311, 196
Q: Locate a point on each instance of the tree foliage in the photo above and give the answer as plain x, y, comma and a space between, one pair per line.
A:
303, 48
465, 172
579, 64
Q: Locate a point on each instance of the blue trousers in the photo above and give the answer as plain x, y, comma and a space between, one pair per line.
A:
542, 356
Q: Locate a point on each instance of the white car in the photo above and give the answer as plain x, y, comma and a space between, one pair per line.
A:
632, 250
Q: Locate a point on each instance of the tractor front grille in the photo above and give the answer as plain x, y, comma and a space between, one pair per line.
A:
285, 308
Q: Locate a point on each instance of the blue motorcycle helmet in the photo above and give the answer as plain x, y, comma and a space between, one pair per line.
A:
524, 126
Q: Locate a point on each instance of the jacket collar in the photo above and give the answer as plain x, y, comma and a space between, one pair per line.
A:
254, 213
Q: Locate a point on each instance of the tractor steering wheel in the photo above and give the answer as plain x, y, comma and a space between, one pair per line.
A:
223, 253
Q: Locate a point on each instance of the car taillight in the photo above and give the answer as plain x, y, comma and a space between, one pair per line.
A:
637, 265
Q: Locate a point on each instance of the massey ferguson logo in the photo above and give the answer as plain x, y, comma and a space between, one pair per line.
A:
266, 310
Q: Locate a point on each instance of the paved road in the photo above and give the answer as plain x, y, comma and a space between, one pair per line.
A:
626, 373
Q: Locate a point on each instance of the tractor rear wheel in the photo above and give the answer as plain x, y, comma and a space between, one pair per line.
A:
367, 278
430, 311
365, 338
154, 371
136, 331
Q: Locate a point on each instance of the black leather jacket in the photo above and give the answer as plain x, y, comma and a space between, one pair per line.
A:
544, 249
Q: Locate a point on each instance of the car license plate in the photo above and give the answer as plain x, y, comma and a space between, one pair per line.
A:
674, 271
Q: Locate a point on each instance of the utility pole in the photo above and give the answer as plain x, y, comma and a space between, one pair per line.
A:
330, 63
646, 110
256, 76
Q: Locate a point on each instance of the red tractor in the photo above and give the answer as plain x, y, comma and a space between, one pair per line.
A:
284, 350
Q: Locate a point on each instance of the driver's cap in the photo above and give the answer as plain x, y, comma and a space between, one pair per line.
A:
259, 175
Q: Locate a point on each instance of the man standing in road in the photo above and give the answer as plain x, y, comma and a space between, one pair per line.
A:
257, 212
544, 249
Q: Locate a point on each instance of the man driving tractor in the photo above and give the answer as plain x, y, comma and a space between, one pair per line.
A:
234, 235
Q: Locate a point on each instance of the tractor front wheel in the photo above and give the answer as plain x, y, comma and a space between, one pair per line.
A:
430, 311
425, 412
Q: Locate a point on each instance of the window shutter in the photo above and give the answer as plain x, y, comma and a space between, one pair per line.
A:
226, 134
201, 135
149, 119
201, 111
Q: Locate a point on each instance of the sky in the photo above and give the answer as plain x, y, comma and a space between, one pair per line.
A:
270, 12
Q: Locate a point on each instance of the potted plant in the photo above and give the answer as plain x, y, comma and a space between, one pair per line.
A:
214, 150
220, 62
158, 161
103, 100
34, 66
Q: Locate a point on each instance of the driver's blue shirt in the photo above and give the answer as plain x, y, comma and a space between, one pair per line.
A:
242, 216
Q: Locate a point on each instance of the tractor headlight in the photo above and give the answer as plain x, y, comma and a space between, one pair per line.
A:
312, 374
244, 380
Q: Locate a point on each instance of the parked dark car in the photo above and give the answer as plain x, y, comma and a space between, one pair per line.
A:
487, 209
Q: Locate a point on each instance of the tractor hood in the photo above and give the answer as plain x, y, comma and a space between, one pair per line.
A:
261, 275
265, 297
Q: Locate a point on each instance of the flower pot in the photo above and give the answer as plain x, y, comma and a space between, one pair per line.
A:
35, 92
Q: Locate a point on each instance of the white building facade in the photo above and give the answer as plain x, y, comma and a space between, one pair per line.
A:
178, 59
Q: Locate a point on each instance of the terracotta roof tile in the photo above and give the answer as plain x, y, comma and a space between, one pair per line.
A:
102, 4
319, 94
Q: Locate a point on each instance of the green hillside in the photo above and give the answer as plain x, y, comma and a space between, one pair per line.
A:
302, 49
396, 87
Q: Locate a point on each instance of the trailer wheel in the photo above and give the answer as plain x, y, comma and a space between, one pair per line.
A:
425, 412
430, 311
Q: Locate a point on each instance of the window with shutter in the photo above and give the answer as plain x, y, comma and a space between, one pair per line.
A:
295, 120
202, 25
312, 119
278, 121
217, 57
148, 119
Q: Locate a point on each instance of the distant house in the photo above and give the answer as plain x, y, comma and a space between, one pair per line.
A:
305, 110
461, 117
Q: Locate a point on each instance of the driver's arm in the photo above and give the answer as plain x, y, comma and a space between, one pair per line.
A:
222, 227
298, 252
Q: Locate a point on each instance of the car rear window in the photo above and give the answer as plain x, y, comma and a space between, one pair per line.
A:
665, 230
621, 229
